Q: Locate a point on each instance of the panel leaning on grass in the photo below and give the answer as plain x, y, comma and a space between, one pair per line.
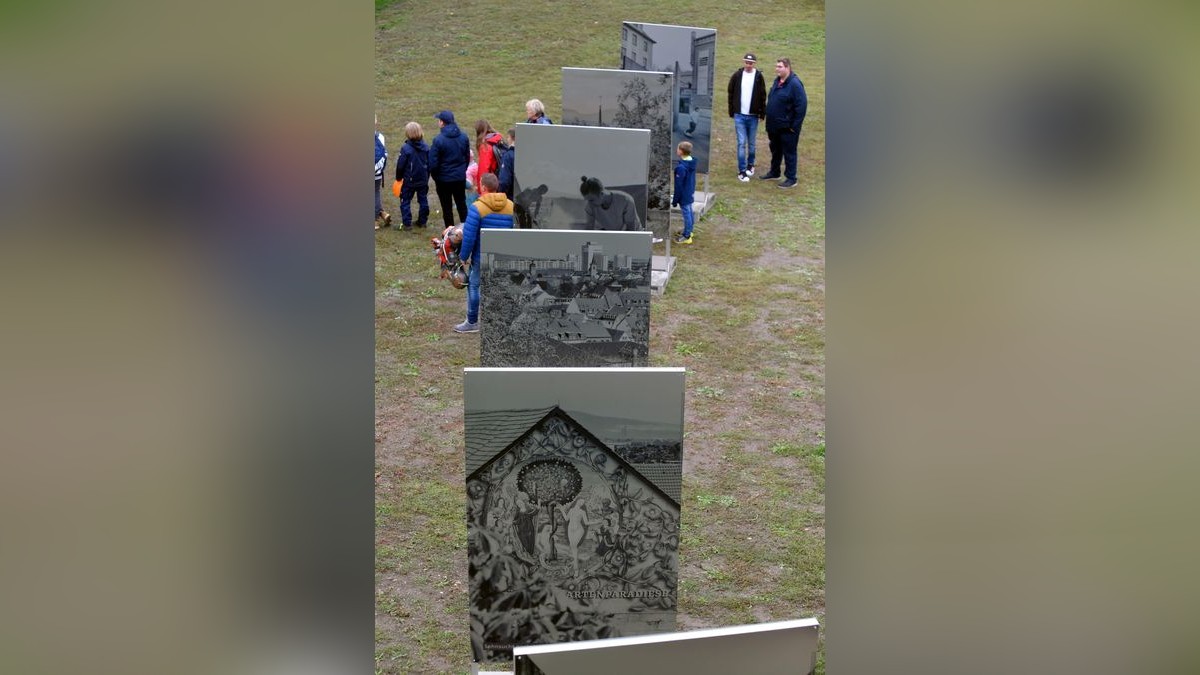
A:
573, 487
565, 298
631, 100
690, 54
581, 178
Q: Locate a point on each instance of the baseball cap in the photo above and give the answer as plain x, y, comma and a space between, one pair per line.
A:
750, 58
445, 116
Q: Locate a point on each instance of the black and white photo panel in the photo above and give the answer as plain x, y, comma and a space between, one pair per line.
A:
633, 100
573, 490
581, 178
564, 298
689, 53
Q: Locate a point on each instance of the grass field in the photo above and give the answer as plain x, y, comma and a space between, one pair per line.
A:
744, 313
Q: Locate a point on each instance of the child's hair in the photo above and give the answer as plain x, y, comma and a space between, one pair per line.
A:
512, 134
413, 131
490, 182
482, 129
590, 186
686, 148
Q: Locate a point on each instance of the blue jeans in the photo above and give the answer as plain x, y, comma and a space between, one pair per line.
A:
747, 129
378, 201
473, 293
688, 219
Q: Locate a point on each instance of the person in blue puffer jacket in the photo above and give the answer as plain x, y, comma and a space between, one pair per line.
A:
491, 211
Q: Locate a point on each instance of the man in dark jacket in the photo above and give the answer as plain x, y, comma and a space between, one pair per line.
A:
786, 106
449, 157
747, 105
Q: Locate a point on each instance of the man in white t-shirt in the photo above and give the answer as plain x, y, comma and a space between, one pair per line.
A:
747, 105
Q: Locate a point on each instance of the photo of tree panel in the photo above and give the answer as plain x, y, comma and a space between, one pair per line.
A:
633, 100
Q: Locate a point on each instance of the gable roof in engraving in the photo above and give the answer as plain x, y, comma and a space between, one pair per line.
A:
486, 431
662, 480
668, 477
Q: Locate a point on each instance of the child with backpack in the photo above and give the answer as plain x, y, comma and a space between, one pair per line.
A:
412, 177
489, 148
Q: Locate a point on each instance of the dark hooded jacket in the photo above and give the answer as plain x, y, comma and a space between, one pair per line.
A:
412, 166
685, 182
449, 155
508, 174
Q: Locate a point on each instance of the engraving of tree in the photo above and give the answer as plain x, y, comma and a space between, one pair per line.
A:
640, 108
550, 481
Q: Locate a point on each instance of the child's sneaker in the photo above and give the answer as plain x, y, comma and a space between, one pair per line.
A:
466, 327
750, 171
744, 177
680, 239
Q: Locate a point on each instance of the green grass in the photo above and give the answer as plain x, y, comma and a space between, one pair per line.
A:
744, 312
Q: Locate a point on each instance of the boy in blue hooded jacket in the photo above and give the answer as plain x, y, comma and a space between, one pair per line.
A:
685, 190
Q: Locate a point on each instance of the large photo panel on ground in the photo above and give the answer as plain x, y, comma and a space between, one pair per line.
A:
573, 489
689, 53
581, 178
564, 298
633, 100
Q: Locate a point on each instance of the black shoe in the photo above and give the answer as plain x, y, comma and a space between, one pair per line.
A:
787, 184
768, 176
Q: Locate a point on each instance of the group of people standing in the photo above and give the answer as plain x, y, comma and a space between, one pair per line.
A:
448, 161
453, 162
783, 108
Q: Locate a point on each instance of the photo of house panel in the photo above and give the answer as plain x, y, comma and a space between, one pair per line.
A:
689, 53
581, 178
634, 100
564, 298
573, 488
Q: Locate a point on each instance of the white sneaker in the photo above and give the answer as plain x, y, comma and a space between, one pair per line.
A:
743, 177
750, 171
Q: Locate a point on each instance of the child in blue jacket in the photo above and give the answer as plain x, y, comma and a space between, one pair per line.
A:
685, 190
412, 167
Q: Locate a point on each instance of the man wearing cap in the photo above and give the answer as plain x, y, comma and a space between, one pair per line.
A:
786, 106
449, 156
747, 105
